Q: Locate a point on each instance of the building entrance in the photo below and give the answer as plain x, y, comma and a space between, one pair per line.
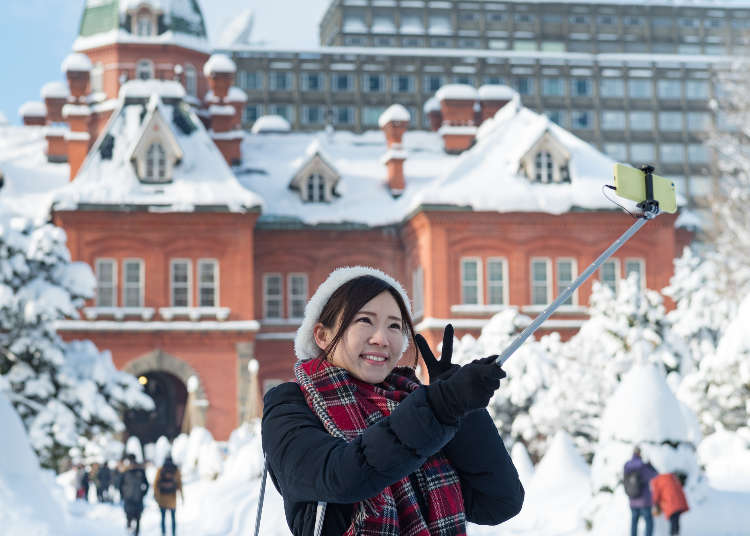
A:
169, 395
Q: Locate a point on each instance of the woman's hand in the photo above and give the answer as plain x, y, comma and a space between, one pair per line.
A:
438, 369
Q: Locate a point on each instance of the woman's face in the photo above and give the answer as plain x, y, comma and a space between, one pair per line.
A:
371, 344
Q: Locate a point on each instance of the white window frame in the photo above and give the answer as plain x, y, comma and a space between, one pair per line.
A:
214, 284
417, 286
144, 65
610, 262
315, 188
113, 290
641, 262
266, 297
156, 166
480, 293
291, 296
188, 285
544, 167
503, 284
144, 17
97, 77
562, 285
548, 279
126, 286
191, 80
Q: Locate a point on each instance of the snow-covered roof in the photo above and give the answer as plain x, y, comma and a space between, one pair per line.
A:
143, 89
496, 92
32, 109
457, 92
76, 62
270, 124
219, 63
395, 112
201, 178
55, 90
118, 35
431, 105
234, 94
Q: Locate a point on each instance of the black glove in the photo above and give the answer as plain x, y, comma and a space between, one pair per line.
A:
469, 388
443, 368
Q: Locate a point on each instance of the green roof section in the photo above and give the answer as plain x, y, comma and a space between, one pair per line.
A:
99, 18
180, 16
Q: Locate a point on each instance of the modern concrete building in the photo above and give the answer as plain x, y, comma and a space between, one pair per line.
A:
635, 80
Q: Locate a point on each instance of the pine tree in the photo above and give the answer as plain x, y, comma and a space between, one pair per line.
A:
64, 392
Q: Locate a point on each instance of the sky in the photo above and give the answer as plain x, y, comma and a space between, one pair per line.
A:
38, 34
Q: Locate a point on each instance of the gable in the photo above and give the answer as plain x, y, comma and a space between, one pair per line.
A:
316, 168
547, 160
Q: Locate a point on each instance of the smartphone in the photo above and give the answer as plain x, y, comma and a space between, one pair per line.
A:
630, 183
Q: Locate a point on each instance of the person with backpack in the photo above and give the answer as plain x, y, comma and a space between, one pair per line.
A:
167, 483
636, 478
358, 445
669, 498
133, 488
103, 481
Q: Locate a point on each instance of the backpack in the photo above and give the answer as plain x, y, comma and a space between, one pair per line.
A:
132, 485
633, 484
167, 481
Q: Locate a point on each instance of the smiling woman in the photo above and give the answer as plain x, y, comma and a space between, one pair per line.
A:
357, 445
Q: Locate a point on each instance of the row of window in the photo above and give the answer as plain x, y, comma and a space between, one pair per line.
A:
317, 114
636, 88
668, 153
129, 291
543, 281
273, 296
383, 21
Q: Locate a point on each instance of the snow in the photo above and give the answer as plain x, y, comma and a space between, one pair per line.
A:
395, 112
431, 105
235, 94
76, 62
226, 109
270, 124
145, 88
219, 63
496, 92
119, 35
457, 92
32, 109
55, 90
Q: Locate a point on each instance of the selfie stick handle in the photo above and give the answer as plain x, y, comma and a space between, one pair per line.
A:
531, 328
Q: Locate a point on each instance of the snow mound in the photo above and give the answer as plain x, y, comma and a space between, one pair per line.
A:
394, 112
219, 63
270, 124
76, 62
457, 92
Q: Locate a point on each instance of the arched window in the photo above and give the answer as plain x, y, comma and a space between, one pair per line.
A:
544, 167
316, 188
191, 80
144, 24
156, 163
144, 70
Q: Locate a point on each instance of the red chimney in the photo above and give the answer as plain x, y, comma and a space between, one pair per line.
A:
457, 107
394, 122
431, 109
220, 69
492, 98
33, 113
77, 69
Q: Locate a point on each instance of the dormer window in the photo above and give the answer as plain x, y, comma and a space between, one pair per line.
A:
144, 24
156, 163
547, 161
144, 70
316, 188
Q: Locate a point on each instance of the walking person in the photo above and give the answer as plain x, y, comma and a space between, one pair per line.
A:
386, 454
637, 475
103, 481
669, 498
167, 483
133, 488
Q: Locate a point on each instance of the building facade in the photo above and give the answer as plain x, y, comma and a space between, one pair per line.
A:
634, 80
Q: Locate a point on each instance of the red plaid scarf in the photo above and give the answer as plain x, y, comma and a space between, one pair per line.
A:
347, 406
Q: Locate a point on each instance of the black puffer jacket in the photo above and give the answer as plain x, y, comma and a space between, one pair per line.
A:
307, 464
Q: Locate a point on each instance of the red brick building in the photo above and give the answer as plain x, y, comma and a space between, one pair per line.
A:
206, 241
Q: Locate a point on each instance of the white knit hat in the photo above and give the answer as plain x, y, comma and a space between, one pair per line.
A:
304, 342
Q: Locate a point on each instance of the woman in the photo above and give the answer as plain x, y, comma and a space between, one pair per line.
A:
669, 498
385, 454
167, 483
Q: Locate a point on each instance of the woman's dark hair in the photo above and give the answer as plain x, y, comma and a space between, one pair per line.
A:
349, 298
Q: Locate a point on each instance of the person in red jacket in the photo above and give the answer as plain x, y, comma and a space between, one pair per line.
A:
668, 496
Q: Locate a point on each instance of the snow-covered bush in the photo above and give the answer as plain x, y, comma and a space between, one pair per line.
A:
65, 392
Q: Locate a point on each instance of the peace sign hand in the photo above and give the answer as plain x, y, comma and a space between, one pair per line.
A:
438, 369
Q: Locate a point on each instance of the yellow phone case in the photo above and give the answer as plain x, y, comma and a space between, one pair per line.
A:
630, 183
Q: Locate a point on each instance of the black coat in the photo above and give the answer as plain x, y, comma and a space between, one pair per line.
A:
307, 464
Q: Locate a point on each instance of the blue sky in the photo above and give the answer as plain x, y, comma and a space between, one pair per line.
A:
38, 34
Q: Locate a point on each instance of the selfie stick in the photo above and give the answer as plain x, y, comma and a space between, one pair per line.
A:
650, 209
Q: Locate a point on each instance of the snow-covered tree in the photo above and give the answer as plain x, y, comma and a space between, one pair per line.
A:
622, 328
529, 369
64, 392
